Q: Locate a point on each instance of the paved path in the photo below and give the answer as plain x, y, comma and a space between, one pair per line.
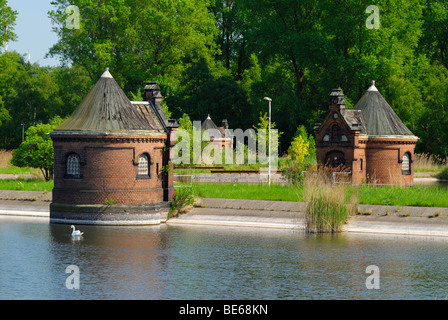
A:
25, 203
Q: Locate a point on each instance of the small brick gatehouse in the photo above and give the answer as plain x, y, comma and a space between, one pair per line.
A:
370, 140
110, 159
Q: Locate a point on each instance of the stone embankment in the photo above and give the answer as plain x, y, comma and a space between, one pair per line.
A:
370, 218
246, 213
425, 221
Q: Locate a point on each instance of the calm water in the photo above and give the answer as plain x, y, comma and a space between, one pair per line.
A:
197, 262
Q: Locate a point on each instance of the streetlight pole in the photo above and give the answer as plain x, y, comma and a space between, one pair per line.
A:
269, 141
23, 131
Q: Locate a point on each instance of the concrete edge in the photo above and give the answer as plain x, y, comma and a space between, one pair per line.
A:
418, 223
26, 213
105, 222
230, 223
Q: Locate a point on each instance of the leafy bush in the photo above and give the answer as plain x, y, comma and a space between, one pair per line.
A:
443, 174
302, 145
292, 170
37, 149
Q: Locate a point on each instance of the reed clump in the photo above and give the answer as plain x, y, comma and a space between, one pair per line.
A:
328, 204
428, 162
183, 201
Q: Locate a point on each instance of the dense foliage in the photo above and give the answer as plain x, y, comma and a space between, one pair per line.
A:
221, 57
36, 150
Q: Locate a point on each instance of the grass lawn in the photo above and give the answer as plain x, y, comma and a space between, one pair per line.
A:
26, 185
248, 191
420, 196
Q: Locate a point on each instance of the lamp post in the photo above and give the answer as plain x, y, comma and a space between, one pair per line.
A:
23, 131
269, 141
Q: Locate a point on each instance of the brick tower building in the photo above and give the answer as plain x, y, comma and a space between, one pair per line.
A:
109, 159
370, 140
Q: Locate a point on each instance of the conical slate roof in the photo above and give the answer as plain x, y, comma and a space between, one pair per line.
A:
209, 124
379, 118
106, 108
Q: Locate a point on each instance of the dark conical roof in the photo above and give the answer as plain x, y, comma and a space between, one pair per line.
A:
106, 108
209, 124
379, 118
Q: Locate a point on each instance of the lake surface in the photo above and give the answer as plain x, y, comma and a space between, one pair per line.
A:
199, 262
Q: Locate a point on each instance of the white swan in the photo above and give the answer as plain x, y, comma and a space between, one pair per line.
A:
76, 232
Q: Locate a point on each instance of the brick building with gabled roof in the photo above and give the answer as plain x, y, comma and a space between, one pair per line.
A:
109, 157
370, 140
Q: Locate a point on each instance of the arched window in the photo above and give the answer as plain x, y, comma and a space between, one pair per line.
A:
406, 164
73, 167
143, 167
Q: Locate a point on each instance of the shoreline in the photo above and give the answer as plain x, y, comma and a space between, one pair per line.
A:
424, 221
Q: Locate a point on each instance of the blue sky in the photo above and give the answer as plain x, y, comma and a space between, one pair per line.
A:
33, 28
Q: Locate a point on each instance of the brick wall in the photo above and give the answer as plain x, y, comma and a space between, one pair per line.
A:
384, 160
109, 169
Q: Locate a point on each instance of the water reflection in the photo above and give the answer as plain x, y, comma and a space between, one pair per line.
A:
204, 262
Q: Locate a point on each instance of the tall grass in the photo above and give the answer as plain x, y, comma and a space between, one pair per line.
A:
328, 205
427, 162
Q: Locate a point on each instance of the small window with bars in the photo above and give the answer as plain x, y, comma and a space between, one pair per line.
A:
73, 167
143, 167
406, 164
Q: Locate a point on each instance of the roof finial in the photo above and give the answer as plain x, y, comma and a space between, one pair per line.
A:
372, 87
106, 74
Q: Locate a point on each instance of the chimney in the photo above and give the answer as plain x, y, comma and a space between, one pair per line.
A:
152, 93
225, 124
337, 101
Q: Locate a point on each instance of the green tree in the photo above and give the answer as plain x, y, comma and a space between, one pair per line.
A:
433, 123
302, 145
137, 39
8, 20
32, 94
434, 41
36, 151
210, 90
233, 25
13, 72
